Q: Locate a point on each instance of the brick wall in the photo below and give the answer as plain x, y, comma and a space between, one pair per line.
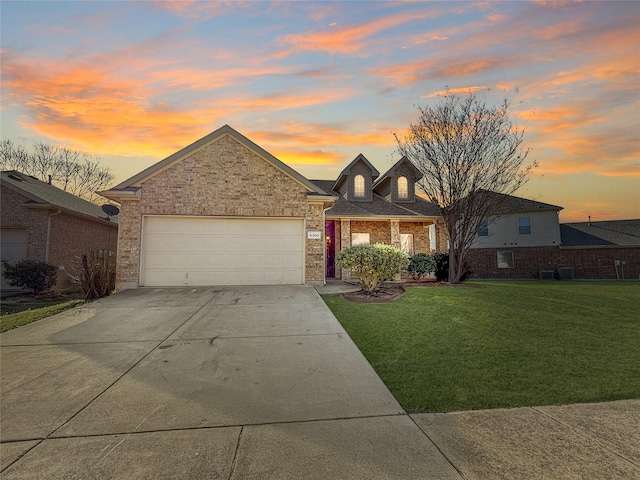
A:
315, 249
35, 221
587, 262
379, 232
207, 183
71, 236
420, 231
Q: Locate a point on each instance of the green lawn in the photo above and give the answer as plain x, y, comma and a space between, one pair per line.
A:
502, 344
15, 320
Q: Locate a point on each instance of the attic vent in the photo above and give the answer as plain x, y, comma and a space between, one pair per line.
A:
15, 177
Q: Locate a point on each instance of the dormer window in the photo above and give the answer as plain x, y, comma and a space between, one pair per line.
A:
358, 186
403, 188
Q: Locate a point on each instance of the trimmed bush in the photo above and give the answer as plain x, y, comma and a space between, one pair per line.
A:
36, 275
372, 264
421, 265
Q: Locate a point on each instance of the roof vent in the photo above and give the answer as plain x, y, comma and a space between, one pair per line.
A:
14, 177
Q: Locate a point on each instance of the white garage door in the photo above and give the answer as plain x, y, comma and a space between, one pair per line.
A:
180, 251
13, 247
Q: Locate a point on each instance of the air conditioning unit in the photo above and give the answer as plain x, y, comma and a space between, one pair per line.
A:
547, 275
565, 273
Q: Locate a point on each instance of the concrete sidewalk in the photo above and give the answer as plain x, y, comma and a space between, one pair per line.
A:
259, 383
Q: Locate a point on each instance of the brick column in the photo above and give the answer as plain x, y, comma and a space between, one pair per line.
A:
395, 233
345, 242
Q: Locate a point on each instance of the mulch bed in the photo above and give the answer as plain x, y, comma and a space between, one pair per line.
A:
392, 292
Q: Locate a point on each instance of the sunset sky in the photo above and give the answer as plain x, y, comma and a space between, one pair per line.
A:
317, 83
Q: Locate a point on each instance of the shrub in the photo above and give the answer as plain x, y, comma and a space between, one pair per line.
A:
95, 275
372, 264
421, 265
442, 268
36, 275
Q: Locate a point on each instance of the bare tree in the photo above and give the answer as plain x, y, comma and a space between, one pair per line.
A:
73, 171
469, 154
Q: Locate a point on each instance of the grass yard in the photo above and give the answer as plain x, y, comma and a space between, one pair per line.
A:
37, 311
502, 344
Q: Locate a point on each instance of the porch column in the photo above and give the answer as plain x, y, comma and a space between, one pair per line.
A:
395, 233
345, 242
395, 240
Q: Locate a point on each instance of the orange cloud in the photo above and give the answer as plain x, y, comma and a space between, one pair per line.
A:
348, 40
299, 144
86, 105
198, 8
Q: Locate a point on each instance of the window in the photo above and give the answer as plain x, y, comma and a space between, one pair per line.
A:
524, 225
433, 244
483, 231
359, 239
403, 188
406, 243
505, 259
358, 186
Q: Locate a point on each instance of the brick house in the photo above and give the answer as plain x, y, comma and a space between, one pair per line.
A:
527, 241
43, 222
223, 211
379, 209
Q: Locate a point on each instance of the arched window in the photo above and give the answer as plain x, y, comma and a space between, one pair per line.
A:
403, 188
358, 186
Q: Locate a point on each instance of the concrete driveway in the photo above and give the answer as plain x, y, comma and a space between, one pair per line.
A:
257, 383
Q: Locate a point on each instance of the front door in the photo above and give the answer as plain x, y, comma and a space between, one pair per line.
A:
330, 232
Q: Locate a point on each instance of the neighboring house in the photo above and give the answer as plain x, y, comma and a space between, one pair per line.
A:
43, 222
610, 232
527, 240
223, 211
607, 249
510, 244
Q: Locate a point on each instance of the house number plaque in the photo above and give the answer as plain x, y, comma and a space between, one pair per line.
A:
314, 235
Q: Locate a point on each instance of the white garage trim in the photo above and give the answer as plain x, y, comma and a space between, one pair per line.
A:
199, 251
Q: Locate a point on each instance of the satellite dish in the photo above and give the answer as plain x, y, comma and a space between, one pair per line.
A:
110, 210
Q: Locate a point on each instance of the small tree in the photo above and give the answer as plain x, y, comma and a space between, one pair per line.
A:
469, 154
372, 264
71, 170
38, 276
421, 265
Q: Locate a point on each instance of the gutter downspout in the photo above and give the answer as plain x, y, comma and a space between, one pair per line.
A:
46, 254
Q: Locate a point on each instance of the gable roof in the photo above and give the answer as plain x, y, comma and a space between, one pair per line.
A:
611, 232
347, 171
41, 194
378, 207
156, 168
392, 172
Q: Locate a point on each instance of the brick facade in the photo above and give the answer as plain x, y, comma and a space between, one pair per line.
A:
71, 236
587, 262
224, 178
383, 232
57, 237
35, 221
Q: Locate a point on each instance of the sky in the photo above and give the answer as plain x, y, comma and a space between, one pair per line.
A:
317, 83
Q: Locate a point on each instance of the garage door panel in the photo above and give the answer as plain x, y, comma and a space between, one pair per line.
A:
204, 251
290, 261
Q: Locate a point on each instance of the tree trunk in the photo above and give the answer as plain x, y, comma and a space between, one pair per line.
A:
453, 265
